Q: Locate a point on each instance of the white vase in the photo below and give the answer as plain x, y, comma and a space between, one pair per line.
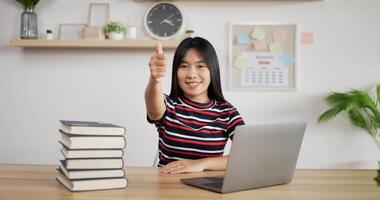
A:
131, 31
115, 36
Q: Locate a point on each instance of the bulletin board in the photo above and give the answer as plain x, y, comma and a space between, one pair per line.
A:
262, 57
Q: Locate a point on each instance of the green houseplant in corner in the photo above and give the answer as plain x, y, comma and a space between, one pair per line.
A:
362, 108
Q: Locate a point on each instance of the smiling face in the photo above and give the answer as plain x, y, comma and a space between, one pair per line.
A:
194, 77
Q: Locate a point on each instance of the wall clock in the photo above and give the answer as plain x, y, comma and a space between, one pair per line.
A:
164, 21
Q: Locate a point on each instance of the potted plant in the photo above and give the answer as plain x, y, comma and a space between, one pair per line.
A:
29, 25
362, 108
115, 30
49, 34
189, 33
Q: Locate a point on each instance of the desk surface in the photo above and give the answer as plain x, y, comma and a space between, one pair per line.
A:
37, 182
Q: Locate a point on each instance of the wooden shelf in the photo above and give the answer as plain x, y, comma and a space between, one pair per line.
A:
221, 0
133, 44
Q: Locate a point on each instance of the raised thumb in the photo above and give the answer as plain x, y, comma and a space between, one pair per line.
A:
158, 48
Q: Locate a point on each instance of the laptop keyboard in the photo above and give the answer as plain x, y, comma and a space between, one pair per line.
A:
218, 184
215, 178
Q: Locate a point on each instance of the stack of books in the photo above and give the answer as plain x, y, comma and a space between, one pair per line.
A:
93, 156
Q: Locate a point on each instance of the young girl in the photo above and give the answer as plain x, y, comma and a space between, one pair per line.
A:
195, 121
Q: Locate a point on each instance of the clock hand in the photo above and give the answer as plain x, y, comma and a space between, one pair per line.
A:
168, 18
169, 22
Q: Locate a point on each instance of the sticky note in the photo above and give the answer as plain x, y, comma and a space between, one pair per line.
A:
287, 59
275, 48
258, 33
243, 39
279, 36
307, 38
240, 62
260, 45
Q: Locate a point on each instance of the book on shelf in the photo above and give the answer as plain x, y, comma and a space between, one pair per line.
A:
91, 184
92, 153
91, 128
93, 173
91, 142
94, 163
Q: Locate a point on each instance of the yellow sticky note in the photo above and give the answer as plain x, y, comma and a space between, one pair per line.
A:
276, 48
240, 62
258, 33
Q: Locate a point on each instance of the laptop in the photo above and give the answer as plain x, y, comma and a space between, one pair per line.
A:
260, 156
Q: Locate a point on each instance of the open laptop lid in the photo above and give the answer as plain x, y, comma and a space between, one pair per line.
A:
263, 155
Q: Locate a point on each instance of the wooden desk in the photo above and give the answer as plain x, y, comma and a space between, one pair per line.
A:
37, 182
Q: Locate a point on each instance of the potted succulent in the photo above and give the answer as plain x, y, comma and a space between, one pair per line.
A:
29, 25
115, 30
49, 34
362, 108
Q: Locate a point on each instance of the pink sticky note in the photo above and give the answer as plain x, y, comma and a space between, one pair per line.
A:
307, 38
260, 45
279, 36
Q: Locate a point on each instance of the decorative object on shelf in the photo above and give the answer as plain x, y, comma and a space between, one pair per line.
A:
98, 17
29, 24
94, 33
361, 107
132, 32
262, 57
164, 21
49, 34
71, 31
189, 33
115, 30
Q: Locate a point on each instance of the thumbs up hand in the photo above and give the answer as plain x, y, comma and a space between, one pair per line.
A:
157, 64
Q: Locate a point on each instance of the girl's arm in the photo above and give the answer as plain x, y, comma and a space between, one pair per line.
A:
154, 98
182, 166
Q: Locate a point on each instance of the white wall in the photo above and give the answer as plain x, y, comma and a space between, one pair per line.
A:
40, 86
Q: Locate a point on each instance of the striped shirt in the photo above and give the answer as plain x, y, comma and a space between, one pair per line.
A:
191, 130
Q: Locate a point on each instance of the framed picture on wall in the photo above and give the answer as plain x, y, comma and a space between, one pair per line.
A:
262, 57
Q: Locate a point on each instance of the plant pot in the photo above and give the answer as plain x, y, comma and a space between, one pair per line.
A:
49, 36
115, 36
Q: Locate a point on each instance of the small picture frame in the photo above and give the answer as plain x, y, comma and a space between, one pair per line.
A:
98, 15
71, 31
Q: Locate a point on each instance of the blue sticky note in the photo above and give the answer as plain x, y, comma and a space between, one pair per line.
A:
243, 39
287, 59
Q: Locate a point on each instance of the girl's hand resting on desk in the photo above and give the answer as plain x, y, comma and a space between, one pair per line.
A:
183, 166
157, 64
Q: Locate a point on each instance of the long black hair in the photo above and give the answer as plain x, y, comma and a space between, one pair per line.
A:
207, 51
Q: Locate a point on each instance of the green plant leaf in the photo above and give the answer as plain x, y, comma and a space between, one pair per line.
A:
377, 178
362, 109
337, 98
378, 94
329, 114
28, 3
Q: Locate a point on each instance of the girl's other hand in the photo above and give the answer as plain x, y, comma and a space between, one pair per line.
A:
157, 64
183, 166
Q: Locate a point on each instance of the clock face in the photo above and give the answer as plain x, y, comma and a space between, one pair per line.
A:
163, 21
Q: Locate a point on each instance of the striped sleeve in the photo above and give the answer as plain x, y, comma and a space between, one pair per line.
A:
234, 120
160, 121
